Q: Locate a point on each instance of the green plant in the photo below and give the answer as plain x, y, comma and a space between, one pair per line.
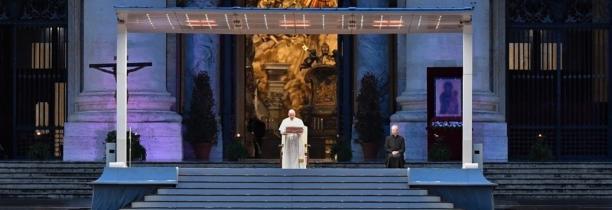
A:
369, 123
235, 151
200, 122
40, 150
138, 152
343, 151
439, 151
539, 151
3, 153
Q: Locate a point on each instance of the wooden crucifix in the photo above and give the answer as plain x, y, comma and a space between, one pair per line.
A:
111, 68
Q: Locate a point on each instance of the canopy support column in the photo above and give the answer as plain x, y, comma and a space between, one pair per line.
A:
467, 96
121, 95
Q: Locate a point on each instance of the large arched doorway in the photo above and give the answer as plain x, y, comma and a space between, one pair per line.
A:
289, 71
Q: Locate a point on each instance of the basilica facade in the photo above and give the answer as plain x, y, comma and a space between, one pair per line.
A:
540, 82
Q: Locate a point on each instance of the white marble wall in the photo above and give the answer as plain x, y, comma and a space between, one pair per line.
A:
445, 50
148, 104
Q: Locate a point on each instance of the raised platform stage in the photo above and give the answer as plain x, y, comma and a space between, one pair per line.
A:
273, 188
541, 185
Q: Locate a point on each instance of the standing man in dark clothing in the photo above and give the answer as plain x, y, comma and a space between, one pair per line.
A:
394, 145
258, 129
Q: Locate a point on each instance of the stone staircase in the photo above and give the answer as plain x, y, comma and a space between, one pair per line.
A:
517, 180
47, 179
273, 188
551, 181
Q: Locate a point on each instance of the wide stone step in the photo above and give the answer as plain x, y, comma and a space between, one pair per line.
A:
551, 192
15, 186
50, 174
284, 185
543, 165
293, 172
558, 186
294, 205
45, 180
554, 197
32, 170
295, 179
312, 198
44, 191
549, 171
533, 176
187, 208
548, 181
303, 192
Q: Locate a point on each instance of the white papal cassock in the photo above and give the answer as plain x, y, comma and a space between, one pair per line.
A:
294, 145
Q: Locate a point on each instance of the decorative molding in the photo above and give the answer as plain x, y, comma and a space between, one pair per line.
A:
30, 10
549, 11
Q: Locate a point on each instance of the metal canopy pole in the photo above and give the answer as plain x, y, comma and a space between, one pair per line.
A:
121, 98
467, 97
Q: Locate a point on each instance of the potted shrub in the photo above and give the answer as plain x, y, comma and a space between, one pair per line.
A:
200, 122
369, 121
111, 146
235, 151
341, 151
439, 151
138, 152
539, 151
40, 150
3, 153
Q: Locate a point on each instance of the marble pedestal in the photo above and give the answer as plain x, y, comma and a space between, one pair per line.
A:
160, 131
84, 141
494, 139
493, 136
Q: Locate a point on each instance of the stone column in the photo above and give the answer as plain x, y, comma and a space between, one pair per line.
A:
148, 104
489, 124
445, 50
202, 55
366, 46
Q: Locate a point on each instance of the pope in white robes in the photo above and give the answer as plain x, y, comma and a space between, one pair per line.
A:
291, 144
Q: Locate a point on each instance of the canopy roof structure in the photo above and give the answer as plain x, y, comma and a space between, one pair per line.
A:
238, 20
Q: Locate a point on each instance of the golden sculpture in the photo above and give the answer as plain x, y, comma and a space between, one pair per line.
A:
292, 50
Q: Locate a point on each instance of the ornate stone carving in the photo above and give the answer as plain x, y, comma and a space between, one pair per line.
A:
549, 11
33, 10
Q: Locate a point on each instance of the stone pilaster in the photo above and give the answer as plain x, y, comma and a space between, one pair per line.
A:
149, 102
445, 50
490, 127
75, 11
422, 51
